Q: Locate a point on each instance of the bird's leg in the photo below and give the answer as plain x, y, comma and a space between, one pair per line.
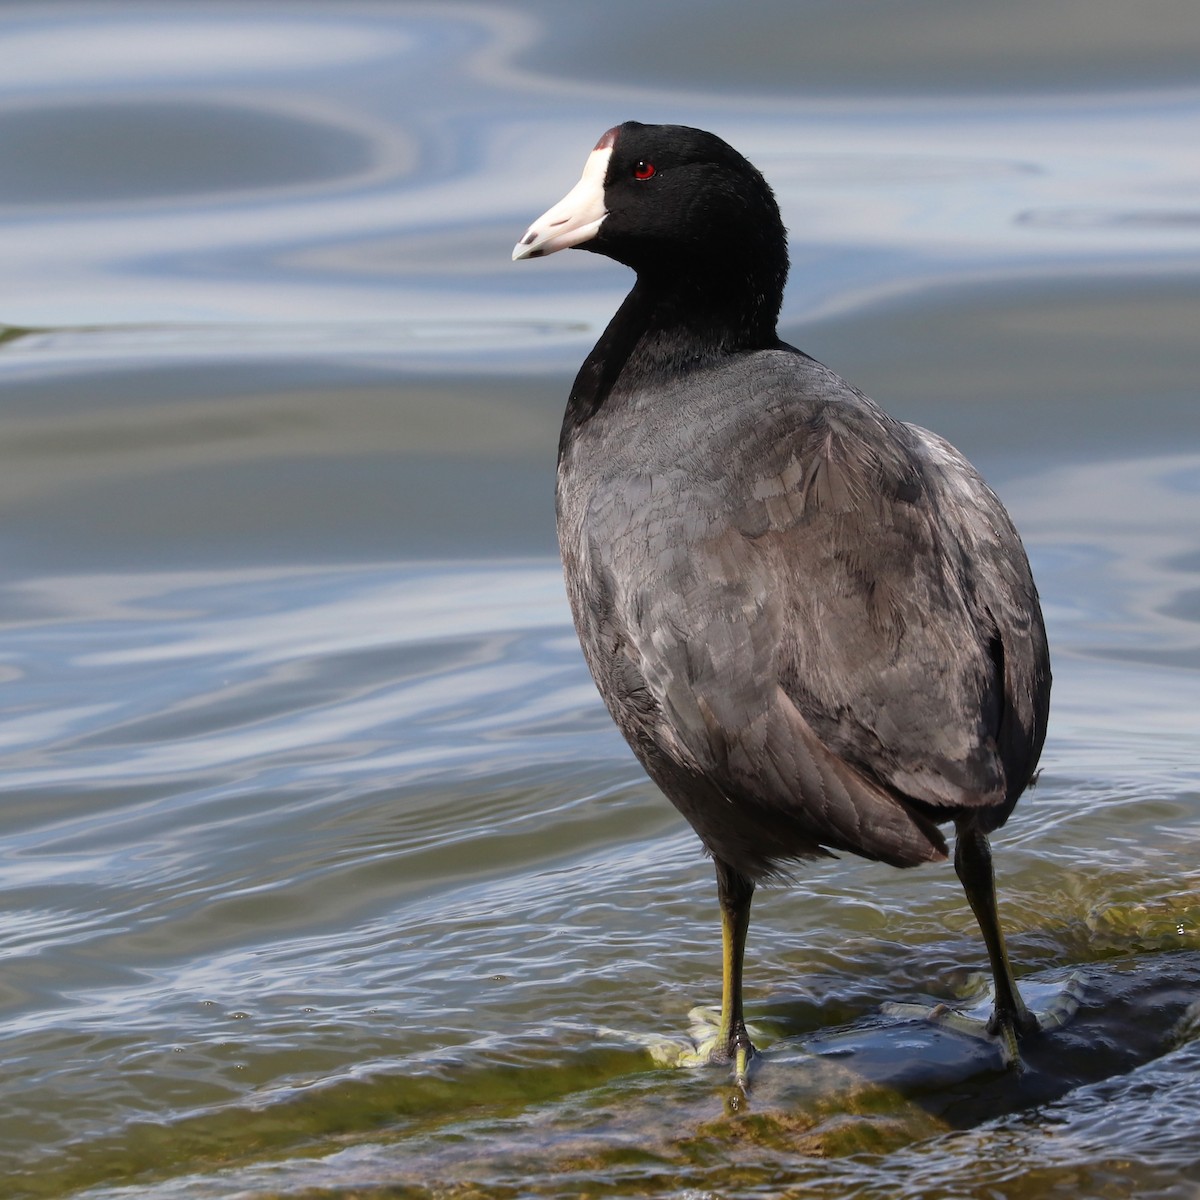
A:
1011, 1019
973, 864
734, 892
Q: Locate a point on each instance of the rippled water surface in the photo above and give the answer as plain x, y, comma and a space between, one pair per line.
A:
324, 872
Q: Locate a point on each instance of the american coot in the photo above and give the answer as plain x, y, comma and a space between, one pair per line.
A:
815, 625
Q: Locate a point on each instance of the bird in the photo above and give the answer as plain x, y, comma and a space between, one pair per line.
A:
815, 624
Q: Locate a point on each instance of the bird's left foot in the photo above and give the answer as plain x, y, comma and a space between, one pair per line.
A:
1052, 1006
706, 1046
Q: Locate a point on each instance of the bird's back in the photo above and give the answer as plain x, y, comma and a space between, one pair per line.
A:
815, 625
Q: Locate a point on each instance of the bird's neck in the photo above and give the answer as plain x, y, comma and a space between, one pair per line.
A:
670, 323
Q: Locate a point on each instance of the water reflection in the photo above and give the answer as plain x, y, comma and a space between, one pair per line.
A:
1132, 578
120, 47
99, 154
343, 191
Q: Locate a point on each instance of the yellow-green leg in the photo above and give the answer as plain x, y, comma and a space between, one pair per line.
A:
973, 863
735, 892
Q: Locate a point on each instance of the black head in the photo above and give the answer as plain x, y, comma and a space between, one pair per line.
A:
678, 205
674, 193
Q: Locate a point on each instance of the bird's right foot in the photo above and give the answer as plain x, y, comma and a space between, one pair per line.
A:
1058, 1004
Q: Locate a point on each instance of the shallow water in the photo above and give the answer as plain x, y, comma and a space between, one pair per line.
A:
325, 872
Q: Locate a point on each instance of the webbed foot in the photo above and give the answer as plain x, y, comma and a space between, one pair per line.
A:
1051, 1006
708, 1045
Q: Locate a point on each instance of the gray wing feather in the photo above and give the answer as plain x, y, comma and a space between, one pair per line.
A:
827, 616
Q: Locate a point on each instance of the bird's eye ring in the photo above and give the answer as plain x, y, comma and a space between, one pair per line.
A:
643, 169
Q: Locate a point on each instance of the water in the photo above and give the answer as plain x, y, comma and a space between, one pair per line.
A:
324, 871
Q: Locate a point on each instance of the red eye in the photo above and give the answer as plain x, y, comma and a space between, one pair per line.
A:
643, 170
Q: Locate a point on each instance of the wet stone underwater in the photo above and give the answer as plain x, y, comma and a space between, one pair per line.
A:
325, 872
